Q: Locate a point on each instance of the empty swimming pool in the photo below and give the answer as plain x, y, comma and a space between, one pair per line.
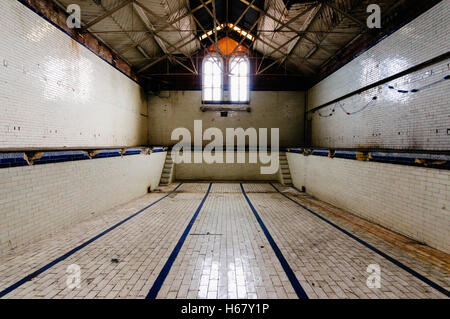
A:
220, 240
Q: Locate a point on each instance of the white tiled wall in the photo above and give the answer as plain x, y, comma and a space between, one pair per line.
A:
246, 171
418, 120
410, 200
269, 109
54, 92
37, 201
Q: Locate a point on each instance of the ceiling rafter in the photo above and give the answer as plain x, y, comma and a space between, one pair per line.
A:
295, 18
109, 14
105, 15
149, 27
318, 45
250, 30
347, 15
165, 23
243, 13
359, 34
216, 23
298, 35
235, 23
207, 30
310, 42
291, 52
308, 27
166, 55
277, 20
208, 36
163, 28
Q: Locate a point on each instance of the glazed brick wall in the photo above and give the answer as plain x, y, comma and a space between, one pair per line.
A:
55, 92
38, 201
411, 121
410, 200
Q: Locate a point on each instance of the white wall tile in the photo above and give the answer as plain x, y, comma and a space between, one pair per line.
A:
43, 199
54, 92
410, 200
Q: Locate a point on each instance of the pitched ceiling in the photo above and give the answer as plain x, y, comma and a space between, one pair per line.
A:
302, 36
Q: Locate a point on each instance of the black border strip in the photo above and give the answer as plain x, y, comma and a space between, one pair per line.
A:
412, 69
287, 269
73, 251
379, 252
168, 265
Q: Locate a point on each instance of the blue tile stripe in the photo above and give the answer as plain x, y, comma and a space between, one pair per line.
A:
12, 160
287, 269
15, 159
73, 251
153, 293
377, 251
159, 149
437, 161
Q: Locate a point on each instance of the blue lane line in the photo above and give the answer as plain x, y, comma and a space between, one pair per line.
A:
379, 252
287, 269
73, 251
165, 270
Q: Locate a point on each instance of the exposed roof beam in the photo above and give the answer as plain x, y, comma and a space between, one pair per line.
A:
275, 49
278, 50
316, 15
152, 63
235, 23
209, 37
109, 12
216, 23
184, 66
149, 26
251, 28
298, 35
277, 20
165, 56
226, 13
106, 14
112, 49
298, 16
281, 60
387, 12
188, 7
283, 45
307, 29
243, 38
164, 22
163, 28
205, 30
212, 16
353, 39
362, 30
243, 13
346, 14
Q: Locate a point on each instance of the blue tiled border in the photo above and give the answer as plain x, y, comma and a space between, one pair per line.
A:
15, 159
410, 159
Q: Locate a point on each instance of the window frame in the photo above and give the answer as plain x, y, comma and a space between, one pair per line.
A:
247, 61
226, 78
221, 67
